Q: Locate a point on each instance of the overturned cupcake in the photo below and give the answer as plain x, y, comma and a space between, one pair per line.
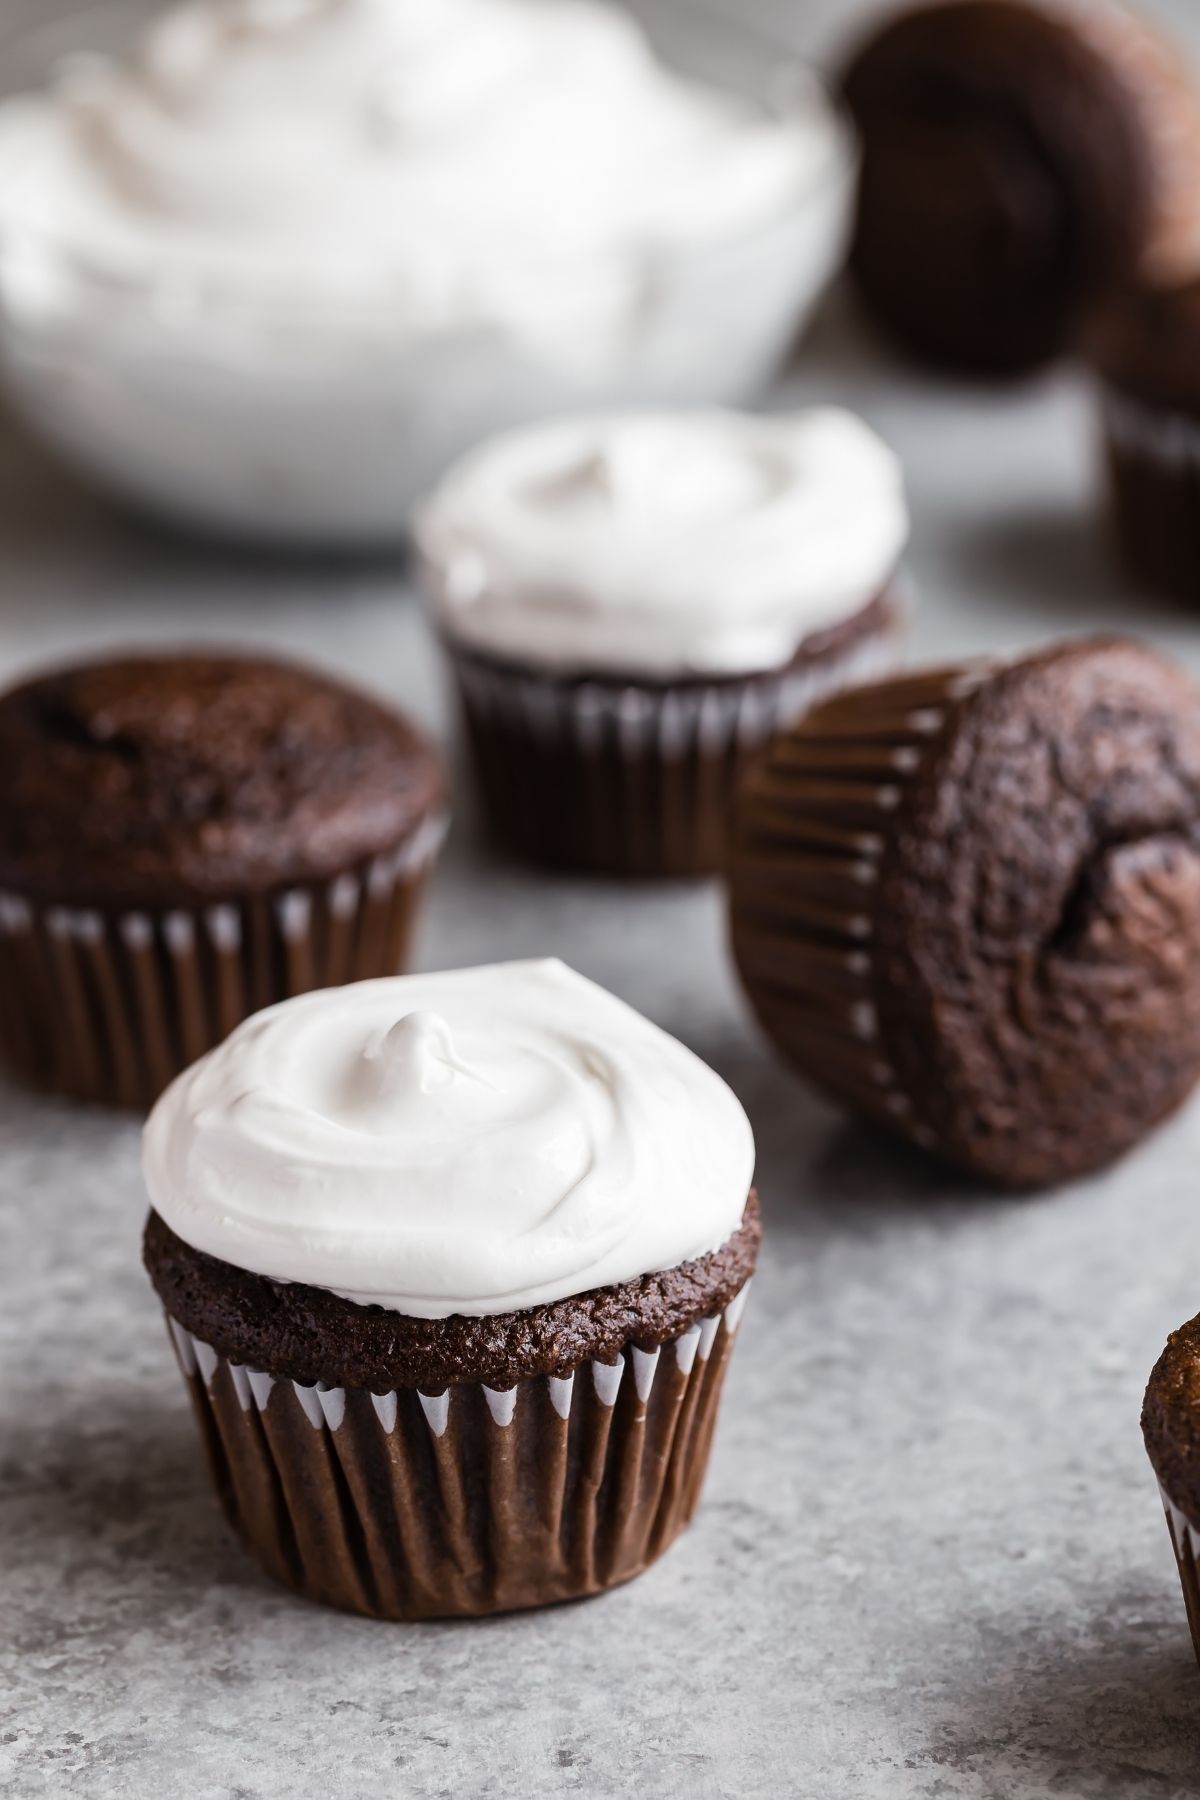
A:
635, 604
967, 904
1018, 160
1171, 1430
185, 839
1144, 348
453, 1264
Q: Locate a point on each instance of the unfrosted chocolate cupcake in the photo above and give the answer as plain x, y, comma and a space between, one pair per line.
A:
187, 838
967, 904
1145, 351
1018, 160
453, 1266
1171, 1429
635, 605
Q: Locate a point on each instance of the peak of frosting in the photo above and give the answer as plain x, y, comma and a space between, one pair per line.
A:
473, 1142
664, 543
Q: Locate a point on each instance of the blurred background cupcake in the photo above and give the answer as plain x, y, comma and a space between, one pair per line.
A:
635, 604
272, 265
185, 839
1145, 354
1019, 158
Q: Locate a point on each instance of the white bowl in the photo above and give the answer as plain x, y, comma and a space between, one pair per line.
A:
229, 425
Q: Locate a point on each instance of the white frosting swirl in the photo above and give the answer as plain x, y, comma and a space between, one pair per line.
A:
511, 163
664, 544
474, 1142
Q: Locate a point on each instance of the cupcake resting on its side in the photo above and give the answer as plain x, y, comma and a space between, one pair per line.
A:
967, 904
1145, 350
1171, 1429
453, 1265
185, 839
1019, 158
635, 604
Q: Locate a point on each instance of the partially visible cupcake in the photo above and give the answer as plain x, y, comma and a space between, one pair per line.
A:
1145, 351
453, 1265
967, 904
1171, 1430
1019, 159
185, 839
635, 604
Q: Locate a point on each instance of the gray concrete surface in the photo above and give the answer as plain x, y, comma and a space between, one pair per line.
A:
930, 1562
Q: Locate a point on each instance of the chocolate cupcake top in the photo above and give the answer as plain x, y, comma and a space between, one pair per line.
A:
473, 1143
663, 545
1171, 1420
1146, 342
1019, 159
1028, 926
309, 1334
170, 780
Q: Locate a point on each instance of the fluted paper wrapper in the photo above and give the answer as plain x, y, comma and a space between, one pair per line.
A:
110, 1006
415, 1506
629, 779
1154, 477
1185, 1541
808, 854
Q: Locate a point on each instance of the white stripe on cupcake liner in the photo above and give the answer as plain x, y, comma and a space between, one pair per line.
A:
241, 1385
708, 1336
224, 927
436, 1408
685, 1350
16, 915
306, 1394
324, 1406
260, 1386
386, 1407
80, 927
736, 1307
1140, 430
606, 1379
1182, 1530
501, 1403
562, 1389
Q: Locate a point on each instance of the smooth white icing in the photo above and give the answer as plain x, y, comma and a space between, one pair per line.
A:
473, 1142
433, 163
664, 543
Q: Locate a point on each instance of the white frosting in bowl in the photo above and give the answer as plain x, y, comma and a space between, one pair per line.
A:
432, 163
474, 1142
274, 271
663, 544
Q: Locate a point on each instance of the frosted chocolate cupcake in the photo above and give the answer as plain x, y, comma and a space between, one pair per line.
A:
187, 838
1018, 160
453, 1265
967, 904
634, 605
1171, 1429
1145, 351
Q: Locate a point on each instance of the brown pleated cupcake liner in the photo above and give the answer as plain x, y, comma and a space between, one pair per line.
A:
807, 860
110, 1006
1154, 476
1185, 1541
476, 1500
629, 779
